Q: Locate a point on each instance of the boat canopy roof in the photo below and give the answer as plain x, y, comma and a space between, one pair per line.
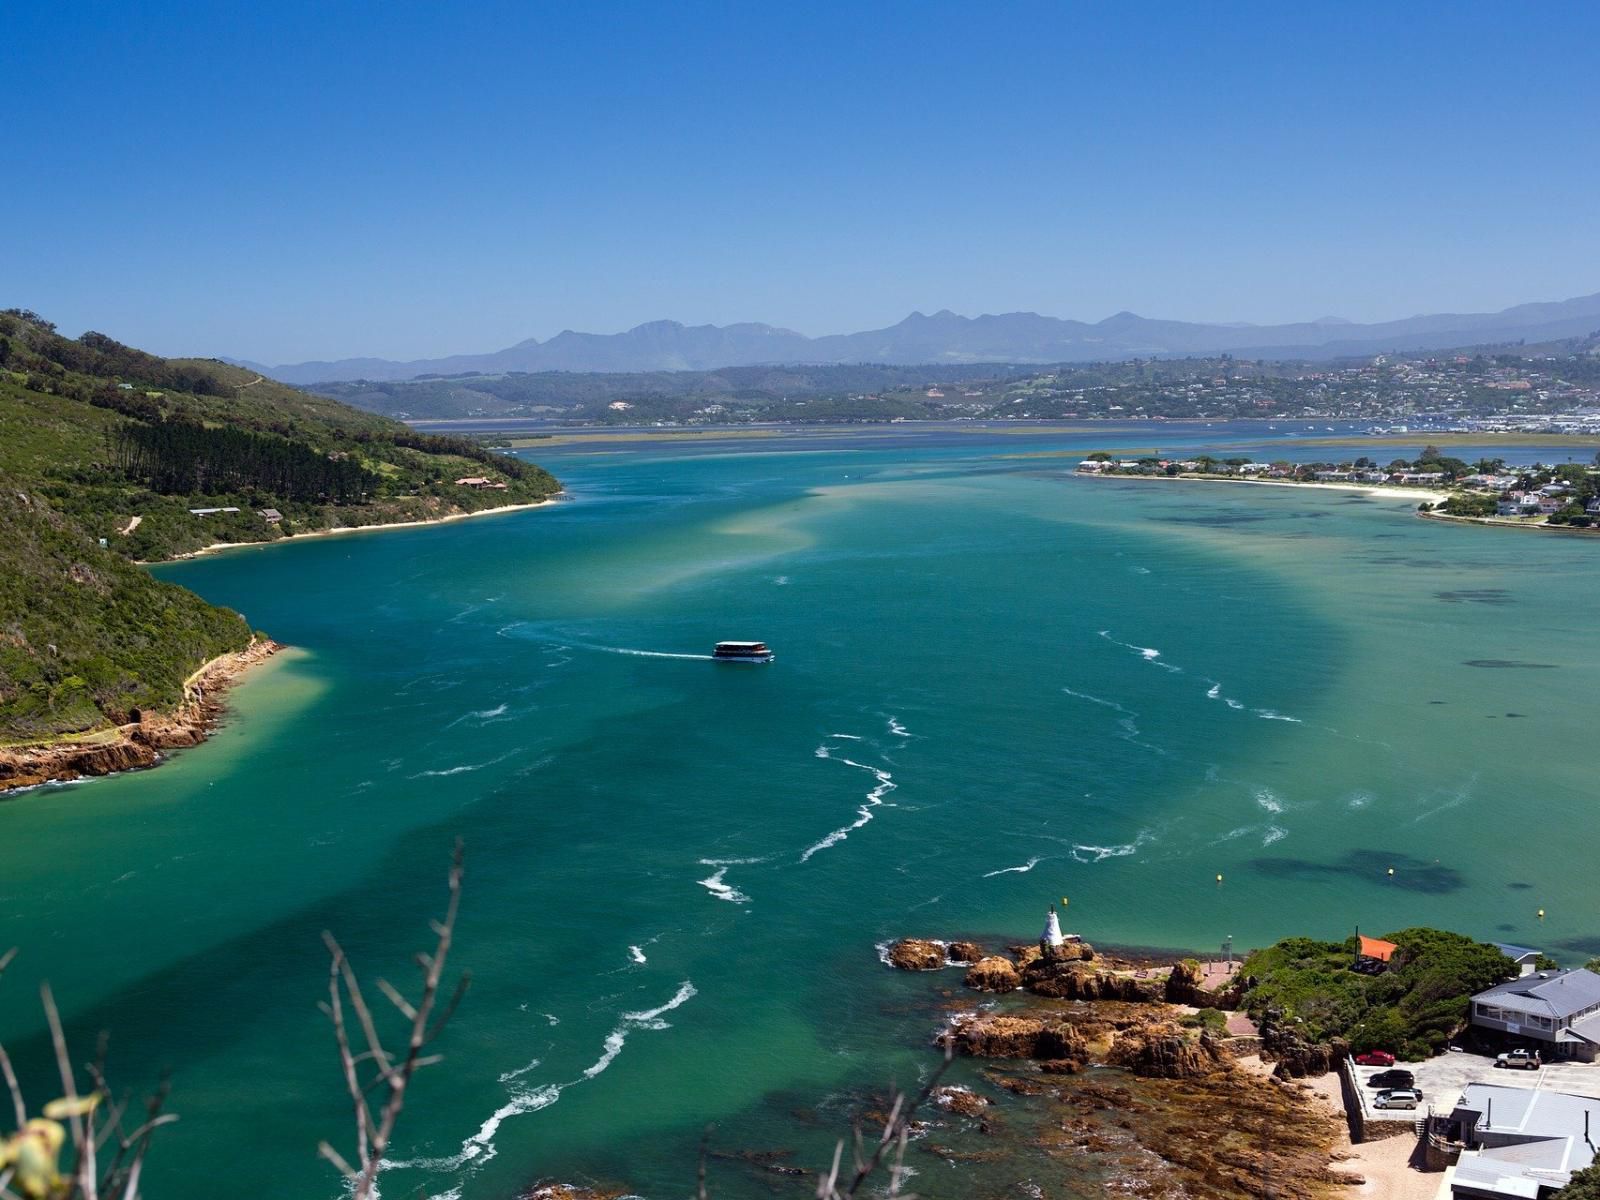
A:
742, 645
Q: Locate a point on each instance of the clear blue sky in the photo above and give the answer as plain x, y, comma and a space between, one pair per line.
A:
296, 180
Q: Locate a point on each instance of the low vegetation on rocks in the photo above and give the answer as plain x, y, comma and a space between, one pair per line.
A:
1412, 1008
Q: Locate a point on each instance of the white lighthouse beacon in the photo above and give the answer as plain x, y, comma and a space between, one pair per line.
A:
1052, 937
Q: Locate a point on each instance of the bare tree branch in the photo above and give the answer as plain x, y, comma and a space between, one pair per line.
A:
375, 1126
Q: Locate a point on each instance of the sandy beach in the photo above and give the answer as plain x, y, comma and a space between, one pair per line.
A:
217, 547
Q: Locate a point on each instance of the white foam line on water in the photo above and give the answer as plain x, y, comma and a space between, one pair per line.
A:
1101, 853
508, 1076
637, 954
849, 737
1097, 700
1269, 800
885, 785
482, 716
479, 1148
1128, 724
1266, 714
722, 891
1149, 653
462, 770
1022, 870
897, 729
1274, 833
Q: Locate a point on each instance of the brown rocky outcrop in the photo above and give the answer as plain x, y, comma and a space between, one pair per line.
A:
916, 954
1164, 1051
964, 952
960, 1100
996, 1035
1295, 1057
994, 974
1184, 984
1077, 980
139, 742
1023, 955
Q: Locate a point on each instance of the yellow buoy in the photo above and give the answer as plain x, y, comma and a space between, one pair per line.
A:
1541, 914
1219, 877
1391, 872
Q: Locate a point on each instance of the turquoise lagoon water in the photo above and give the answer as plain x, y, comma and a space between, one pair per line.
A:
996, 685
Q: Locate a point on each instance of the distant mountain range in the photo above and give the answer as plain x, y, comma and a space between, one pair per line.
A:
946, 337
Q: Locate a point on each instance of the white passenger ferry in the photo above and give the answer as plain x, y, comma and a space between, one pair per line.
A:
746, 652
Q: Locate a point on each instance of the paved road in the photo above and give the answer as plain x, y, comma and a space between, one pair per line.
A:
1443, 1078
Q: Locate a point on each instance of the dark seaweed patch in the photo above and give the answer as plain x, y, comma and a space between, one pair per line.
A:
1519, 886
1508, 664
1410, 874
1580, 945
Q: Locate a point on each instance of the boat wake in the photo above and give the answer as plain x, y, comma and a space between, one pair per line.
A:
628, 650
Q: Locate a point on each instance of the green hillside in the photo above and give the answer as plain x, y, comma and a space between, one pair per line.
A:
104, 452
86, 637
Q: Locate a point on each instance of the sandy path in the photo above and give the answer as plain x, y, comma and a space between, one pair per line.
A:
1385, 1165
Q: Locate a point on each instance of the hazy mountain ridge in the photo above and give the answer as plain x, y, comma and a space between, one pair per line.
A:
946, 337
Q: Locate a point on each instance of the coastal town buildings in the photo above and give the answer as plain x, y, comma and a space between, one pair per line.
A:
1516, 1143
1559, 1011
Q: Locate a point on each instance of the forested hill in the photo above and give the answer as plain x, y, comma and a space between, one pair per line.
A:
105, 454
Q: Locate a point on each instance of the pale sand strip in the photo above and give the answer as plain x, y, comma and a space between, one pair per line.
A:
316, 533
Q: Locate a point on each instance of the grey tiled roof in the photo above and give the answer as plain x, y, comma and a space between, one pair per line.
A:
1546, 993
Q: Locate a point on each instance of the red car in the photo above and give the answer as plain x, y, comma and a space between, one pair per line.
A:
1375, 1058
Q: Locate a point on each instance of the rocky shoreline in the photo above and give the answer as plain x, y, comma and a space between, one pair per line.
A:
142, 741
1112, 1073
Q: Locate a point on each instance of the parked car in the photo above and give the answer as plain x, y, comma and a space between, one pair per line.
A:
1397, 1098
1393, 1079
1375, 1058
1522, 1060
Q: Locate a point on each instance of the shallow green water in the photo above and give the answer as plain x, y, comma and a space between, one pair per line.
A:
996, 685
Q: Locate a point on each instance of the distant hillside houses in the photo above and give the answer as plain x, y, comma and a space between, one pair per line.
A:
1565, 494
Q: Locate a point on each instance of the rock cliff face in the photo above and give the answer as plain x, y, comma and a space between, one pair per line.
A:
916, 954
993, 974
